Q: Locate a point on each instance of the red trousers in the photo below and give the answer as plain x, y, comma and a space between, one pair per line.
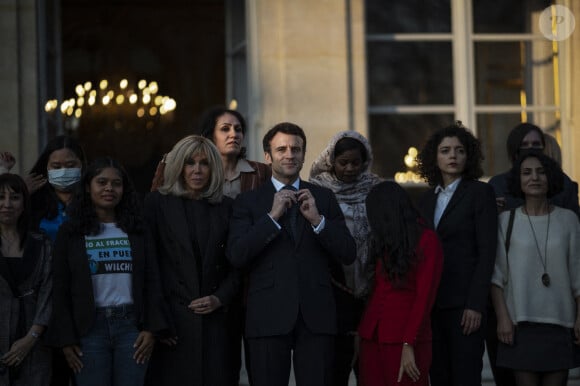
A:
379, 364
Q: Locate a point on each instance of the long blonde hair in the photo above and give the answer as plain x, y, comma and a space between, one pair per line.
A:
175, 160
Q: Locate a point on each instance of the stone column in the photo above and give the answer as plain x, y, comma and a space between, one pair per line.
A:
306, 65
19, 82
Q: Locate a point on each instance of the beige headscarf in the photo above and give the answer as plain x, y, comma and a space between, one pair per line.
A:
351, 197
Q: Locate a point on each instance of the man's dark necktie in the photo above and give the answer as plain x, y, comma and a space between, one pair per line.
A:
292, 214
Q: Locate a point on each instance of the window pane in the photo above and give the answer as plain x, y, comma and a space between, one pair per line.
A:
392, 135
392, 16
500, 16
402, 73
493, 130
508, 71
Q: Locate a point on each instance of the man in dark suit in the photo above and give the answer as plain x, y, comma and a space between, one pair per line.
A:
285, 233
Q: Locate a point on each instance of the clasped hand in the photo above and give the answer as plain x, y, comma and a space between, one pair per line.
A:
285, 198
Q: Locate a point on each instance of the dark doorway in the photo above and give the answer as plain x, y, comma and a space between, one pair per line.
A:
179, 44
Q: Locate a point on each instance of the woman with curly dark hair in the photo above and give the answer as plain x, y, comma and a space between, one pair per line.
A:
395, 329
107, 297
536, 281
463, 212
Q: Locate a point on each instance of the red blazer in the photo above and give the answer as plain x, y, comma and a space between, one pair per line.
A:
402, 314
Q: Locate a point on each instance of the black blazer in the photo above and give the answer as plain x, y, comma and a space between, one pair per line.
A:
286, 277
73, 299
468, 234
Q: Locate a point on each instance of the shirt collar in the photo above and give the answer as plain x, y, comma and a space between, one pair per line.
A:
244, 166
279, 185
450, 189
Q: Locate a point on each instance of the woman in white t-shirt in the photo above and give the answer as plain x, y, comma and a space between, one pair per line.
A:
536, 281
107, 303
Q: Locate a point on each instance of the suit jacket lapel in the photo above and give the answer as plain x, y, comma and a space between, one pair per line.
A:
455, 199
174, 213
205, 221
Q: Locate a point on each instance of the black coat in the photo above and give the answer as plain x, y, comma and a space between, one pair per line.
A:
73, 299
190, 269
468, 233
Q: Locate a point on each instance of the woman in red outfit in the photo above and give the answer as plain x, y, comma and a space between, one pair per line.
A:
395, 329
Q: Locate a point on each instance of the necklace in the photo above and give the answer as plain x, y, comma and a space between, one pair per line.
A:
544, 261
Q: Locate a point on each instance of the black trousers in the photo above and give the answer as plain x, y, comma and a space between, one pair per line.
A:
457, 358
312, 356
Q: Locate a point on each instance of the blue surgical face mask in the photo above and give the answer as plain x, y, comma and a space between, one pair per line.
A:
64, 178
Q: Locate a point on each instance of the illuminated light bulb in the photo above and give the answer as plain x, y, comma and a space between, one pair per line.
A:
140, 112
146, 91
106, 100
80, 101
142, 83
80, 90
71, 102
123, 84
162, 110
93, 93
70, 110
48, 107
158, 100
153, 111
103, 84
110, 94
170, 104
92, 100
154, 87
120, 99
409, 161
413, 152
133, 99
146, 98
88, 86
233, 104
78, 113
63, 107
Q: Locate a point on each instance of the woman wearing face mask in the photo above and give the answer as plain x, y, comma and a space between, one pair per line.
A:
51, 182
344, 167
57, 170
527, 136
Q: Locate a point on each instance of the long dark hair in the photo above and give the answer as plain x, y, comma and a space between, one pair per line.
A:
427, 158
44, 200
395, 229
82, 216
15, 183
